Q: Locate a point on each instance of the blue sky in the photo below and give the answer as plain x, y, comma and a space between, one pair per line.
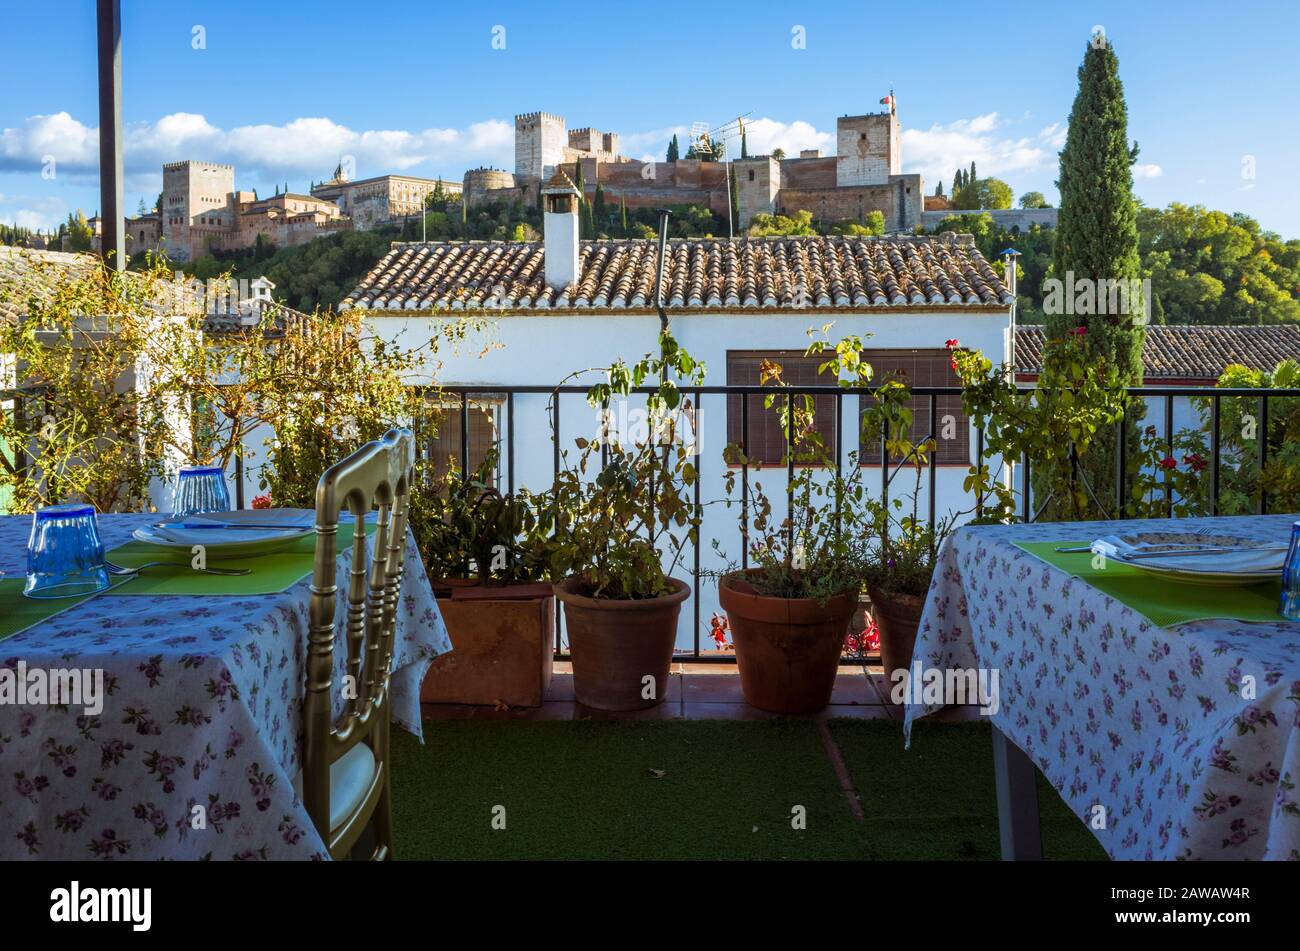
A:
282, 90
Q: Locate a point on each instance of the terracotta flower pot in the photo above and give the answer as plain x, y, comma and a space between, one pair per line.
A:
897, 616
616, 644
788, 649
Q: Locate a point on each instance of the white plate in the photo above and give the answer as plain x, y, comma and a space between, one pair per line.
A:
1221, 568
288, 526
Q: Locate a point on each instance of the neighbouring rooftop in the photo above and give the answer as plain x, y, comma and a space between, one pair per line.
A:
1191, 353
709, 274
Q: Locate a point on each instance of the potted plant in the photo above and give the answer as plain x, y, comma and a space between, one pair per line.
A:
789, 613
619, 513
484, 553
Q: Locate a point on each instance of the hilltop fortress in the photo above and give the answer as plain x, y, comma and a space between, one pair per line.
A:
863, 175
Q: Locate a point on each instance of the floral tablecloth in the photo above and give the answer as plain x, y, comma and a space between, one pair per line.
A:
1157, 726
203, 708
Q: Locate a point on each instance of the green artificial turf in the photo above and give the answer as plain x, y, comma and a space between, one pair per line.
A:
938, 800
588, 790
701, 789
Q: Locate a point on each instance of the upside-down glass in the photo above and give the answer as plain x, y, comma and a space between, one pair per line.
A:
65, 556
200, 489
1290, 606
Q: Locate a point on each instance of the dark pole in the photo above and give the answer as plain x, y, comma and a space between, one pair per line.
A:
113, 241
659, 277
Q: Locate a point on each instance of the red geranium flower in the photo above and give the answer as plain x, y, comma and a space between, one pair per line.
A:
262, 501
1196, 462
1168, 462
1079, 331
951, 344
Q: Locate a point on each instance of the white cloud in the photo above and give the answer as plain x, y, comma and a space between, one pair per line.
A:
937, 152
30, 211
303, 147
1147, 171
762, 137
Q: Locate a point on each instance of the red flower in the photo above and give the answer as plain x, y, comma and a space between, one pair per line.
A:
262, 501
951, 344
1079, 331
1196, 462
1168, 462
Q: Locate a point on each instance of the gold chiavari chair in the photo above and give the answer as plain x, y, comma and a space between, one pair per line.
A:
345, 781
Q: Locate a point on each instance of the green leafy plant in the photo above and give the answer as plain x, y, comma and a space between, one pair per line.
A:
466, 528
85, 414
1055, 425
623, 506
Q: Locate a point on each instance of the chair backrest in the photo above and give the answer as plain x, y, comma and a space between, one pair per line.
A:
378, 475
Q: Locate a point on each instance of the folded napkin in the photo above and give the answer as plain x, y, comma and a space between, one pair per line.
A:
1121, 547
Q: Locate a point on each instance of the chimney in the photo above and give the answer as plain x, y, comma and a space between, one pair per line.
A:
560, 228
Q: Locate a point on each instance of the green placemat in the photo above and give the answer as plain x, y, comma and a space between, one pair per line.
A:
270, 574
18, 613
1165, 603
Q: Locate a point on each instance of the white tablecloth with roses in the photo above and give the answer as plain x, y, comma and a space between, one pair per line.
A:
204, 707
1149, 723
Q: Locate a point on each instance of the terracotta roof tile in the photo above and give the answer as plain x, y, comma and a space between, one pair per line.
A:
707, 274
1190, 352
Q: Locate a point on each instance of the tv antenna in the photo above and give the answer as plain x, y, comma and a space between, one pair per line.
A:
710, 144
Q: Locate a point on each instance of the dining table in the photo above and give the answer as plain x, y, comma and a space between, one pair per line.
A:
193, 748
1165, 713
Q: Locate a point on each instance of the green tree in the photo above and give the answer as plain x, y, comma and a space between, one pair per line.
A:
674, 150
733, 185
1033, 200
744, 144
778, 154
599, 214
800, 223
1097, 238
622, 215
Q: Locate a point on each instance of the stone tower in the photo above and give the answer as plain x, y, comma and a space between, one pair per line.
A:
867, 149
196, 205
540, 140
758, 180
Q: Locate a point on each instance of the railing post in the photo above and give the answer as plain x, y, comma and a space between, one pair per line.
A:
744, 481
1121, 459
1169, 448
1262, 430
1214, 452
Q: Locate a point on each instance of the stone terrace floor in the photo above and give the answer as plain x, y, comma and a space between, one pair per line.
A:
700, 692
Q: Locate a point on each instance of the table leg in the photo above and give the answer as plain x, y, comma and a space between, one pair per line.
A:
1016, 779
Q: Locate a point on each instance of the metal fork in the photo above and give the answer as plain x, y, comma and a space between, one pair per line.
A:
119, 570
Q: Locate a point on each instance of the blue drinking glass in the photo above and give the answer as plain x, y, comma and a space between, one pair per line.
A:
1290, 607
200, 489
65, 556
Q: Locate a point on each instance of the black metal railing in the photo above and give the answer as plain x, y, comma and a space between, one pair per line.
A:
460, 399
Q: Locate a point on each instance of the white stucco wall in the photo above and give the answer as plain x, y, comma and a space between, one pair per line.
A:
540, 349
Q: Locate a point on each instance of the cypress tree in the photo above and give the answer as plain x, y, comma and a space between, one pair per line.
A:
673, 149
622, 214
1096, 237
744, 145
972, 178
956, 183
734, 186
598, 212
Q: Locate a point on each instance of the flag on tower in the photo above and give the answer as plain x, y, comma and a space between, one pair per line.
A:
888, 101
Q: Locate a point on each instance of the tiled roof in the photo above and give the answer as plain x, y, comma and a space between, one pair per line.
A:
905, 271
1188, 352
29, 276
